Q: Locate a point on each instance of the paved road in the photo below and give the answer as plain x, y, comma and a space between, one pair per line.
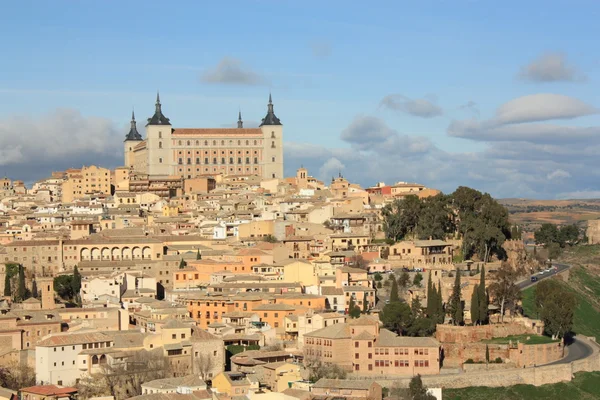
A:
559, 268
577, 350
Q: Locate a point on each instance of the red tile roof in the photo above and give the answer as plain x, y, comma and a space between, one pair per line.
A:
49, 390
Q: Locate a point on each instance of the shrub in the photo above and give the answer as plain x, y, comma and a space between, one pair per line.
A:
498, 360
469, 361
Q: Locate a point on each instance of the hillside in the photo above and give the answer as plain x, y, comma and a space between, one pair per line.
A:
584, 386
532, 213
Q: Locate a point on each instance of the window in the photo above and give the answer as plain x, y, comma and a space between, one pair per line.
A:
179, 142
272, 159
189, 160
356, 356
160, 145
255, 160
356, 344
357, 367
160, 135
206, 160
173, 336
180, 161
160, 160
230, 160
188, 142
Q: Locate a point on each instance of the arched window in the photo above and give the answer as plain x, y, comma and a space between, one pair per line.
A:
179, 142
239, 142
197, 143
255, 142
160, 145
222, 143
248, 142
214, 142
188, 142
273, 135
206, 142
160, 135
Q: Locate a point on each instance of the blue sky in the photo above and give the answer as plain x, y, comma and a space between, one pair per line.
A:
345, 77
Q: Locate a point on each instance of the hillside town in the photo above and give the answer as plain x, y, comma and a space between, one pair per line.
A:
153, 281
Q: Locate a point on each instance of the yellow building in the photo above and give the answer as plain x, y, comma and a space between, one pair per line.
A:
278, 375
233, 384
256, 229
300, 271
85, 181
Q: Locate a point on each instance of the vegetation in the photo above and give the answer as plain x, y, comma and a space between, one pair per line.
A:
318, 370
394, 289
556, 306
353, 309
270, 239
182, 264
408, 320
586, 316
477, 218
418, 279
22, 293
16, 376
455, 307
34, 290
418, 391
504, 289
11, 271
583, 387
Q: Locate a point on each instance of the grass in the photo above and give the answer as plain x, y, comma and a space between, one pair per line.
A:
586, 320
583, 387
533, 339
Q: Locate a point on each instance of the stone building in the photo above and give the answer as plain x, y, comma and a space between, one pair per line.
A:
192, 152
362, 347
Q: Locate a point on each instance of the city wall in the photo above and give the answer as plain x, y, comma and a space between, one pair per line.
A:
531, 376
474, 334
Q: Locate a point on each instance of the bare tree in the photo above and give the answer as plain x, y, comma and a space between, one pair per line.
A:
124, 380
204, 364
318, 370
16, 375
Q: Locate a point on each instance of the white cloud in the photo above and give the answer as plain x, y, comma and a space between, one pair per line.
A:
542, 107
551, 67
424, 108
558, 174
232, 71
331, 167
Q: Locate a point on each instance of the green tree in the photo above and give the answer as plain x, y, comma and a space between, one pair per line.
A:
440, 304
394, 290
435, 221
270, 239
401, 217
182, 264
21, 288
378, 277
417, 391
455, 307
396, 316
430, 298
556, 307
483, 313
554, 251
63, 286
198, 255
353, 309
418, 279
403, 280
475, 319
7, 288
487, 354
416, 308
365, 309
546, 234
568, 235
34, 290
76, 281
379, 285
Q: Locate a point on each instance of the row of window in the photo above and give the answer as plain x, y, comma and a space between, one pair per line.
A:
223, 160
397, 363
214, 142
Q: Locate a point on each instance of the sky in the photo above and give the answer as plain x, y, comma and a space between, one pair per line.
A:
499, 96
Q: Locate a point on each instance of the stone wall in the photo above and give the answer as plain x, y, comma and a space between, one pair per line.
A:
593, 231
531, 376
473, 334
455, 354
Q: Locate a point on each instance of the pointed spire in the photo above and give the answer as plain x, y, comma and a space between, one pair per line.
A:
133, 132
240, 123
270, 119
158, 118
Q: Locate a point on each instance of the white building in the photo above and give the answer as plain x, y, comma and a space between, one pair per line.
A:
58, 358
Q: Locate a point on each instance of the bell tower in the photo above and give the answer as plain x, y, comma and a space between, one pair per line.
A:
132, 139
46, 292
272, 159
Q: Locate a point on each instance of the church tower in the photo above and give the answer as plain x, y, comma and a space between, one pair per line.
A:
272, 130
158, 142
302, 178
132, 139
46, 292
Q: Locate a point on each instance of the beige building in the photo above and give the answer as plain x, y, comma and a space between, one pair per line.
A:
277, 376
190, 153
429, 252
85, 181
362, 347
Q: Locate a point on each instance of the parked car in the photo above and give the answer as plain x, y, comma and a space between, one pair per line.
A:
534, 279
404, 269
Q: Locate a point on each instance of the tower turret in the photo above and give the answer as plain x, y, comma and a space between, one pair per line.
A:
158, 118
133, 132
240, 123
272, 129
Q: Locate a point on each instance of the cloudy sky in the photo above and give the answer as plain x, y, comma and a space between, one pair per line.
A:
500, 96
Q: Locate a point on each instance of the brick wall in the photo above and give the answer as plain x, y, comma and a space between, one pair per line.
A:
472, 334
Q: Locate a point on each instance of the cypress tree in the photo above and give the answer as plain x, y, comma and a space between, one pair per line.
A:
487, 354
430, 298
394, 291
198, 255
76, 282
440, 304
475, 305
483, 298
34, 290
455, 306
21, 289
182, 264
7, 289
